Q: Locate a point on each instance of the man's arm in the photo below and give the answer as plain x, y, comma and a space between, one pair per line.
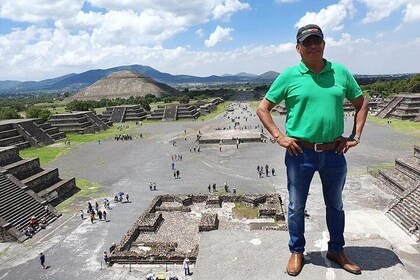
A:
263, 112
361, 106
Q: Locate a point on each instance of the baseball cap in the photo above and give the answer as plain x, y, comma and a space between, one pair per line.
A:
308, 30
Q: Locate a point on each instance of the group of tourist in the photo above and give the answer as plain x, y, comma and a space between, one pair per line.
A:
34, 225
123, 137
212, 188
176, 157
195, 149
260, 170
176, 174
119, 197
92, 213
152, 186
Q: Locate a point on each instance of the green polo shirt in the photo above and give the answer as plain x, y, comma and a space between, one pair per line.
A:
314, 102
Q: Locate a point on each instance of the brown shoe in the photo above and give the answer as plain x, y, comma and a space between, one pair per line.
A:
295, 264
344, 262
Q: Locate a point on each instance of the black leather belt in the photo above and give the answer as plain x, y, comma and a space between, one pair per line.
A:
319, 147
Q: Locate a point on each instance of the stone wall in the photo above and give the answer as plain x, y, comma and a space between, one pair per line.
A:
208, 222
129, 251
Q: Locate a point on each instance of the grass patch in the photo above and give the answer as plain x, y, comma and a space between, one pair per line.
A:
45, 154
409, 127
103, 135
241, 211
374, 170
88, 190
221, 108
49, 153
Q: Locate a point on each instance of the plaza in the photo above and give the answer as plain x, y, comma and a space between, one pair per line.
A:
74, 247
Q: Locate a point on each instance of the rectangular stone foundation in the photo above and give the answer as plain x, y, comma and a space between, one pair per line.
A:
208, 222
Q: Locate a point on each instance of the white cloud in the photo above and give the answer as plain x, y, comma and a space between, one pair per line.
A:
226, 9
47, 53
379, 34
220, 34
399, 57
128, 27
83, 20
380, 9
195, 11
412, 13
134, 31
329, 18
199, 32
39, 10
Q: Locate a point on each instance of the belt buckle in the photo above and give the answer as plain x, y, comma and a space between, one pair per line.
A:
316, 147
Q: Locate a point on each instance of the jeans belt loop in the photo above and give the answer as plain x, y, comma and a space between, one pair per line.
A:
316, 147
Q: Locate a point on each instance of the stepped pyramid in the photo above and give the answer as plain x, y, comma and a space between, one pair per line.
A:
119, 114
123, 84
404, 106
28, 133
403, 182
25, 190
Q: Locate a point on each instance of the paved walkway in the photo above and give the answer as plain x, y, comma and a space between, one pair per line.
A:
74, 247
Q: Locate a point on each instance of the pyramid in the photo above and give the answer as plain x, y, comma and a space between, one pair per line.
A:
124, 84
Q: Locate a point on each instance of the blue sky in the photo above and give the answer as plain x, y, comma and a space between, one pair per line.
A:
42, 39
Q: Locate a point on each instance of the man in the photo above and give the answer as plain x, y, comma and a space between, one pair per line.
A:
314, 91
42, 260
186, 266
105, 256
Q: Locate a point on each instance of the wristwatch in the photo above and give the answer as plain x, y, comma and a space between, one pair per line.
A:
355, 138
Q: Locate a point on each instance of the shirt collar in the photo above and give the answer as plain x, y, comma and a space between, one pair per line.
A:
303, 69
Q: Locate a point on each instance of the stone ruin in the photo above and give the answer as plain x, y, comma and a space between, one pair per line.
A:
169, 229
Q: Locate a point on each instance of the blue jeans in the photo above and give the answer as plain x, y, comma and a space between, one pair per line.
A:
332, 169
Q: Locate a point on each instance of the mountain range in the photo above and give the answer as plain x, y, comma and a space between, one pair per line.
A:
76, 82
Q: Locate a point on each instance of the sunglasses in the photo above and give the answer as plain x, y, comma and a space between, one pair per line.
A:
312, 40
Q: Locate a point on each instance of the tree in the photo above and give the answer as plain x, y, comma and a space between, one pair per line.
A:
168, 99
184, 99
8, 113
37, 112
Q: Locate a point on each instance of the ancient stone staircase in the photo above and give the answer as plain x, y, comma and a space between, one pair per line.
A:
388, 108
118, 115
26, 133
403, 182
77, 122
45, 183
17, 206
9, 135
36, 132
53, 132
170, 113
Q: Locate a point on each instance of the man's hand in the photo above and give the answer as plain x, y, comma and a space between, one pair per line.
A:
290, 144
345, 144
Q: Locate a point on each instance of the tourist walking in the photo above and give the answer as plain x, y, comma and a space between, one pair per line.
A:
42, 260
314, 91
104, 215
186, 265
105, 256
92, 216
